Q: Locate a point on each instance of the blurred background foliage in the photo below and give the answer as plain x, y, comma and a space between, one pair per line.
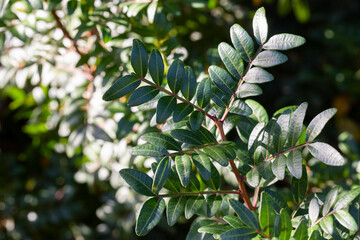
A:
61, 146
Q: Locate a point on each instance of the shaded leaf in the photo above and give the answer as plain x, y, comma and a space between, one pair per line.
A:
165, 108
330, 200
202, 162
234, 221
299, 187
203, 92
243, 233
278, 201
142, 95
156, 67
241, 108
139, 58
181, 111
347, 199
266, 214
242, 42
213, 202
222, 79
161, 174
301, 233
138, 181
121, 87
286, 226
278, 167
188, 88
183, 168
176, 75
326, 153
284, 41
231, 59
244, 214
149, 216
161, 140
175, 208
194, 234
260, 26
294, 163
269, 58
214, 181
217, 154
186, 136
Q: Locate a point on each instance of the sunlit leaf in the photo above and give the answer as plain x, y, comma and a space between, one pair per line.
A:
217, 154
231, 59
269, 58
248, 90
142, 95
345, 219
193, 204
294, 163
258, 75
326, 153
347, 199
296, 124
203, 92
318, 123
148, 150
175, 208
243, 233
278, 166
314, 209
241, 108
161, 140
260, 26
213, 202
176, 75
222, 79
266, 214
183, 168
330, 200
242, 42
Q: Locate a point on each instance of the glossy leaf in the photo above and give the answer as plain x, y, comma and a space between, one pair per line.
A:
234, 221
222, 79
213, 202
183, 168
220, 98
206, 136
347, 199
248, 90
232, 60
156, 67
172, 183
314, 209
318, 123
296, 124
260, 26
148, 150
253, 177
202, 162
149, 216
269, 58
121, 87
282, 129
278, 167
203, 92
181, 111
326, 153
258, 75
284, 41
278, 201
266, 214
217, 154
194, 234
161, 140
294, 163
345, 219
330, 200
186, 136
214, 181
244, 214
286, 226
175, 208
142, 95
161, 174
165, 108
242, 42
299, 187
188, 88
176, 75
215, 228
241, 108
193, 204
327, 225
139, 58
259, 113
138, 181
301, 233
243, 233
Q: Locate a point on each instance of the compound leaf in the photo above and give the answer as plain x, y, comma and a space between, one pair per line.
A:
165, 108
203, 92
222, 79
188, 88
176, 75
161, 140
244, 214
231, 59
142, 95
161, 174
258, 75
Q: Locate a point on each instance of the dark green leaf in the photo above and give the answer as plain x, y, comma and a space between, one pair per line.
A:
196, 119
346, 200
266, 214
269, 59
203, 92
232, 60
222, 79
241, 108
221, 99
161, 140
213, 204
175, 208
301, 233
165, 108
139, 58
243, 233
326, 153
193, 204
150, 215
161, 174
214, 181
98, 133
202, 162
244, 214
345, 219
206, 136
280, 136
318, 123
296, 124
315, 235
294, 163
260, 26
248, 90
188, 88
121, 87
138, 181
183, 168
142, 95
148, 150
258, 75
194, 184
186, 136
278, 201
330, 200
176, 75
156, 67
193, 233
217, 154
181, 111
299, 187
286, 226
242, 42
172, 183
284, 41
71, 6
278, 167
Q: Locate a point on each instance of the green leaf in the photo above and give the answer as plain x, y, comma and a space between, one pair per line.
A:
138, 181
213, 202
281, 134
181, 111
217, 154
203, 92
253, 177
176, 75
156, 67
278, 201
296, 124
215, 228
232, 60
186, 136
142, 95
175, 208
314, 209
286, 226
222, 79
214, 181
161, 140
243, 233
219, 97
193, 233
172, 183
259, 113
150, 215
299, 187
269, 58
161, 174
188, 88
202, 162
278, 167
244, 214
183, 168
234, 221
139, 58
241, 108
326, 153
258, 75
294, 163
330, 200
301, 233
248, 90
165, 108
266, 214
121, 87
242, 42
345, 219
327, 225
284, 41
71, 6
260, 26
347, 199
148, 150
206, 136
318, 123
193, 204
315, 235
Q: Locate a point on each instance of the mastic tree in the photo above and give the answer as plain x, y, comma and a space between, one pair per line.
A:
190, 152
